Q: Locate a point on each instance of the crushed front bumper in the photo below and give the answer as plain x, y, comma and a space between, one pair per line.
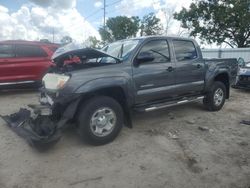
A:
35, 125
40, 124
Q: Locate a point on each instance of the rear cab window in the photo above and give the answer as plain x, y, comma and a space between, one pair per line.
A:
184, 50
29, 51
6, 51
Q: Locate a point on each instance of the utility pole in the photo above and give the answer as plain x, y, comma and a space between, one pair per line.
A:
53, 35
104, 13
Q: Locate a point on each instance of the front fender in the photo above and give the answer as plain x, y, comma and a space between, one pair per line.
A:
102, 83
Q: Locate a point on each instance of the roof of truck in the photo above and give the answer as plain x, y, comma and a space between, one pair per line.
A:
159, 37
162, 36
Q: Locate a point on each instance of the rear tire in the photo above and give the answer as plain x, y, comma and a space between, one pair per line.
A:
216, 97
100, 120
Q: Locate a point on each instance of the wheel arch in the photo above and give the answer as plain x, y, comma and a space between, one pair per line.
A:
224, 78
115, 92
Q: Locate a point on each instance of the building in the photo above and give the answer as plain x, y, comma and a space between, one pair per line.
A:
227, 53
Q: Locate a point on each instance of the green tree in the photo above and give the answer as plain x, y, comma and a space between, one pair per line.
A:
93, 42
218, 21
66, 40
105, 34
120, 27
150, 25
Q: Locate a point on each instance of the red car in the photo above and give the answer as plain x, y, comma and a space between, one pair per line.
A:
23, 62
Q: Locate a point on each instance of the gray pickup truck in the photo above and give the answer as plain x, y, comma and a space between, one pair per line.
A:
100, 89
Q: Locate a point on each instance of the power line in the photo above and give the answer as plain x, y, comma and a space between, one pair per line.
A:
92, 14
104, 10
105, 6
111, 4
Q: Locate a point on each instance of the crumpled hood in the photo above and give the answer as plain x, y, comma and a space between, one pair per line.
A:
71, 49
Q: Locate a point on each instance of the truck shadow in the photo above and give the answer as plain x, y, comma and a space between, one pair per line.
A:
17, 91
141, 122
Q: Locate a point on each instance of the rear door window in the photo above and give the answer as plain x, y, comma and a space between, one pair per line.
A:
6, 51
184, 50
29, 51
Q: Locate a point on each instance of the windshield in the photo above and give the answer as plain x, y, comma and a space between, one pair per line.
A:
111, 53
66, 48
120, 49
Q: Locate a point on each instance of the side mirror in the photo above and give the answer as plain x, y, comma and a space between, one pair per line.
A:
144, 57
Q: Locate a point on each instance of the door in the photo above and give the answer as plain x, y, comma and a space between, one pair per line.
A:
7, 56
21, 62
189, 68
153, 79
31, 62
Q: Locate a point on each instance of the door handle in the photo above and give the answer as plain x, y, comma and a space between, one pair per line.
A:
198, 66
170, 69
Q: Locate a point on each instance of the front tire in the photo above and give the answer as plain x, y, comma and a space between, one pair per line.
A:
216, 97
100, 120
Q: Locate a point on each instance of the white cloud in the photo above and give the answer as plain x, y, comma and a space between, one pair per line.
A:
133, 6
165, 13
98, 4
40, 18
3, 9
59, 4
163, 9
44, 3
36, 22
178, 4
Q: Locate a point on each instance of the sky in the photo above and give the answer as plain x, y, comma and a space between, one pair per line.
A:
79, 19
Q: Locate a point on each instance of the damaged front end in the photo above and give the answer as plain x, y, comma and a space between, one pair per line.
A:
36, 129
43, 123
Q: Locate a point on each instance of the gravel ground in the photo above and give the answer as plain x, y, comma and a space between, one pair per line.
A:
183, 146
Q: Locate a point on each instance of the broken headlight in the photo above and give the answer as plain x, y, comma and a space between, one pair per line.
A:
55, 82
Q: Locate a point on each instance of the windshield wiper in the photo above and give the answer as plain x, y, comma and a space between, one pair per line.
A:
160, 54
